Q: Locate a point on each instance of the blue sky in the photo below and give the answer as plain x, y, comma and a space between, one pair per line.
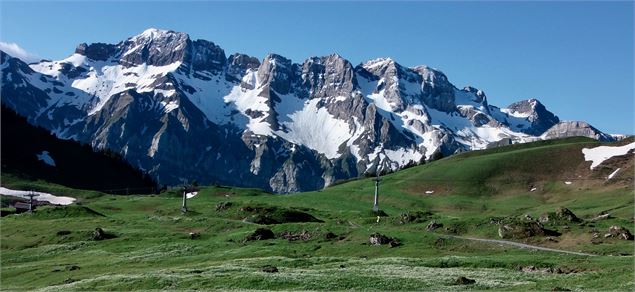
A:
576, 57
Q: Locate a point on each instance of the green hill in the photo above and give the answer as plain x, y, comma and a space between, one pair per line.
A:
471, 195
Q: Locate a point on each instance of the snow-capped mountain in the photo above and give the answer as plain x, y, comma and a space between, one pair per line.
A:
182, 110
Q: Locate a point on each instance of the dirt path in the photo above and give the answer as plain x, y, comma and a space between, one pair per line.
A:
522, 245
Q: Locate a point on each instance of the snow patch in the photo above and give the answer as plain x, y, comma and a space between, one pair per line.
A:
316, 129
169, 106
46, 158
600, 154
102, 80
403, 156
515, 113
613, 174
154, 147
210, 96
46, 197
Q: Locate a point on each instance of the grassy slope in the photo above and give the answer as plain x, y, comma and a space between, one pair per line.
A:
153, 250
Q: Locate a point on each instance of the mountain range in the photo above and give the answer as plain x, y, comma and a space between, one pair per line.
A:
182, 111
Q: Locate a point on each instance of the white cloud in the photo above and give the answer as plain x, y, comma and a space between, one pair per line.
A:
16, 51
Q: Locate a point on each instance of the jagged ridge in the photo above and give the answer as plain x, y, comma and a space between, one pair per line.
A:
182, 110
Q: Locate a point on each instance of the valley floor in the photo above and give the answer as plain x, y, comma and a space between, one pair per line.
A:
54, 249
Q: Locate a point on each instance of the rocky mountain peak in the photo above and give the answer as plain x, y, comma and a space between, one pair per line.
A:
238, 64
437, 90
575, 128
530, 107
327, 76
386, 68
277, 72
158, 47
480, 95
154, 47
96, 51
400, 85
204, 55
535, 112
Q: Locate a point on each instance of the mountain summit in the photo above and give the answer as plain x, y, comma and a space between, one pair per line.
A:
182, 110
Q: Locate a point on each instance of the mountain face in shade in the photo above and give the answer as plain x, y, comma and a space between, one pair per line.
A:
33, 153
183, 110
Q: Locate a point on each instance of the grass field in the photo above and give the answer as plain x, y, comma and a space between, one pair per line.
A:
54, 249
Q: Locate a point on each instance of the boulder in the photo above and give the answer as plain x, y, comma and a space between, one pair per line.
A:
521, 230
565, 214
330, 235
100, 234
72, 268
464, 281
433, 225
269, 269
63, 232
413, 217
294, 236
260, 234
562, 214
534, 269
394, 243
619, 232
380, 239
223, 206
195, 235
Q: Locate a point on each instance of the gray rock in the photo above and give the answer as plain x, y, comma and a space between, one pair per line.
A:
565, 214
96, 51
261, 234
269, 269
464, 281
574, 129
379, 239
238, 64
619, 232
433, 225
438, 92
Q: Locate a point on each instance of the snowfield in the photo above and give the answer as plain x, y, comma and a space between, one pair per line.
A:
602, 153
46, 158
317, 129
101, 80
46, 197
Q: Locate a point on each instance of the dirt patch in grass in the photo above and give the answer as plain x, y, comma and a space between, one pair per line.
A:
66, 212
